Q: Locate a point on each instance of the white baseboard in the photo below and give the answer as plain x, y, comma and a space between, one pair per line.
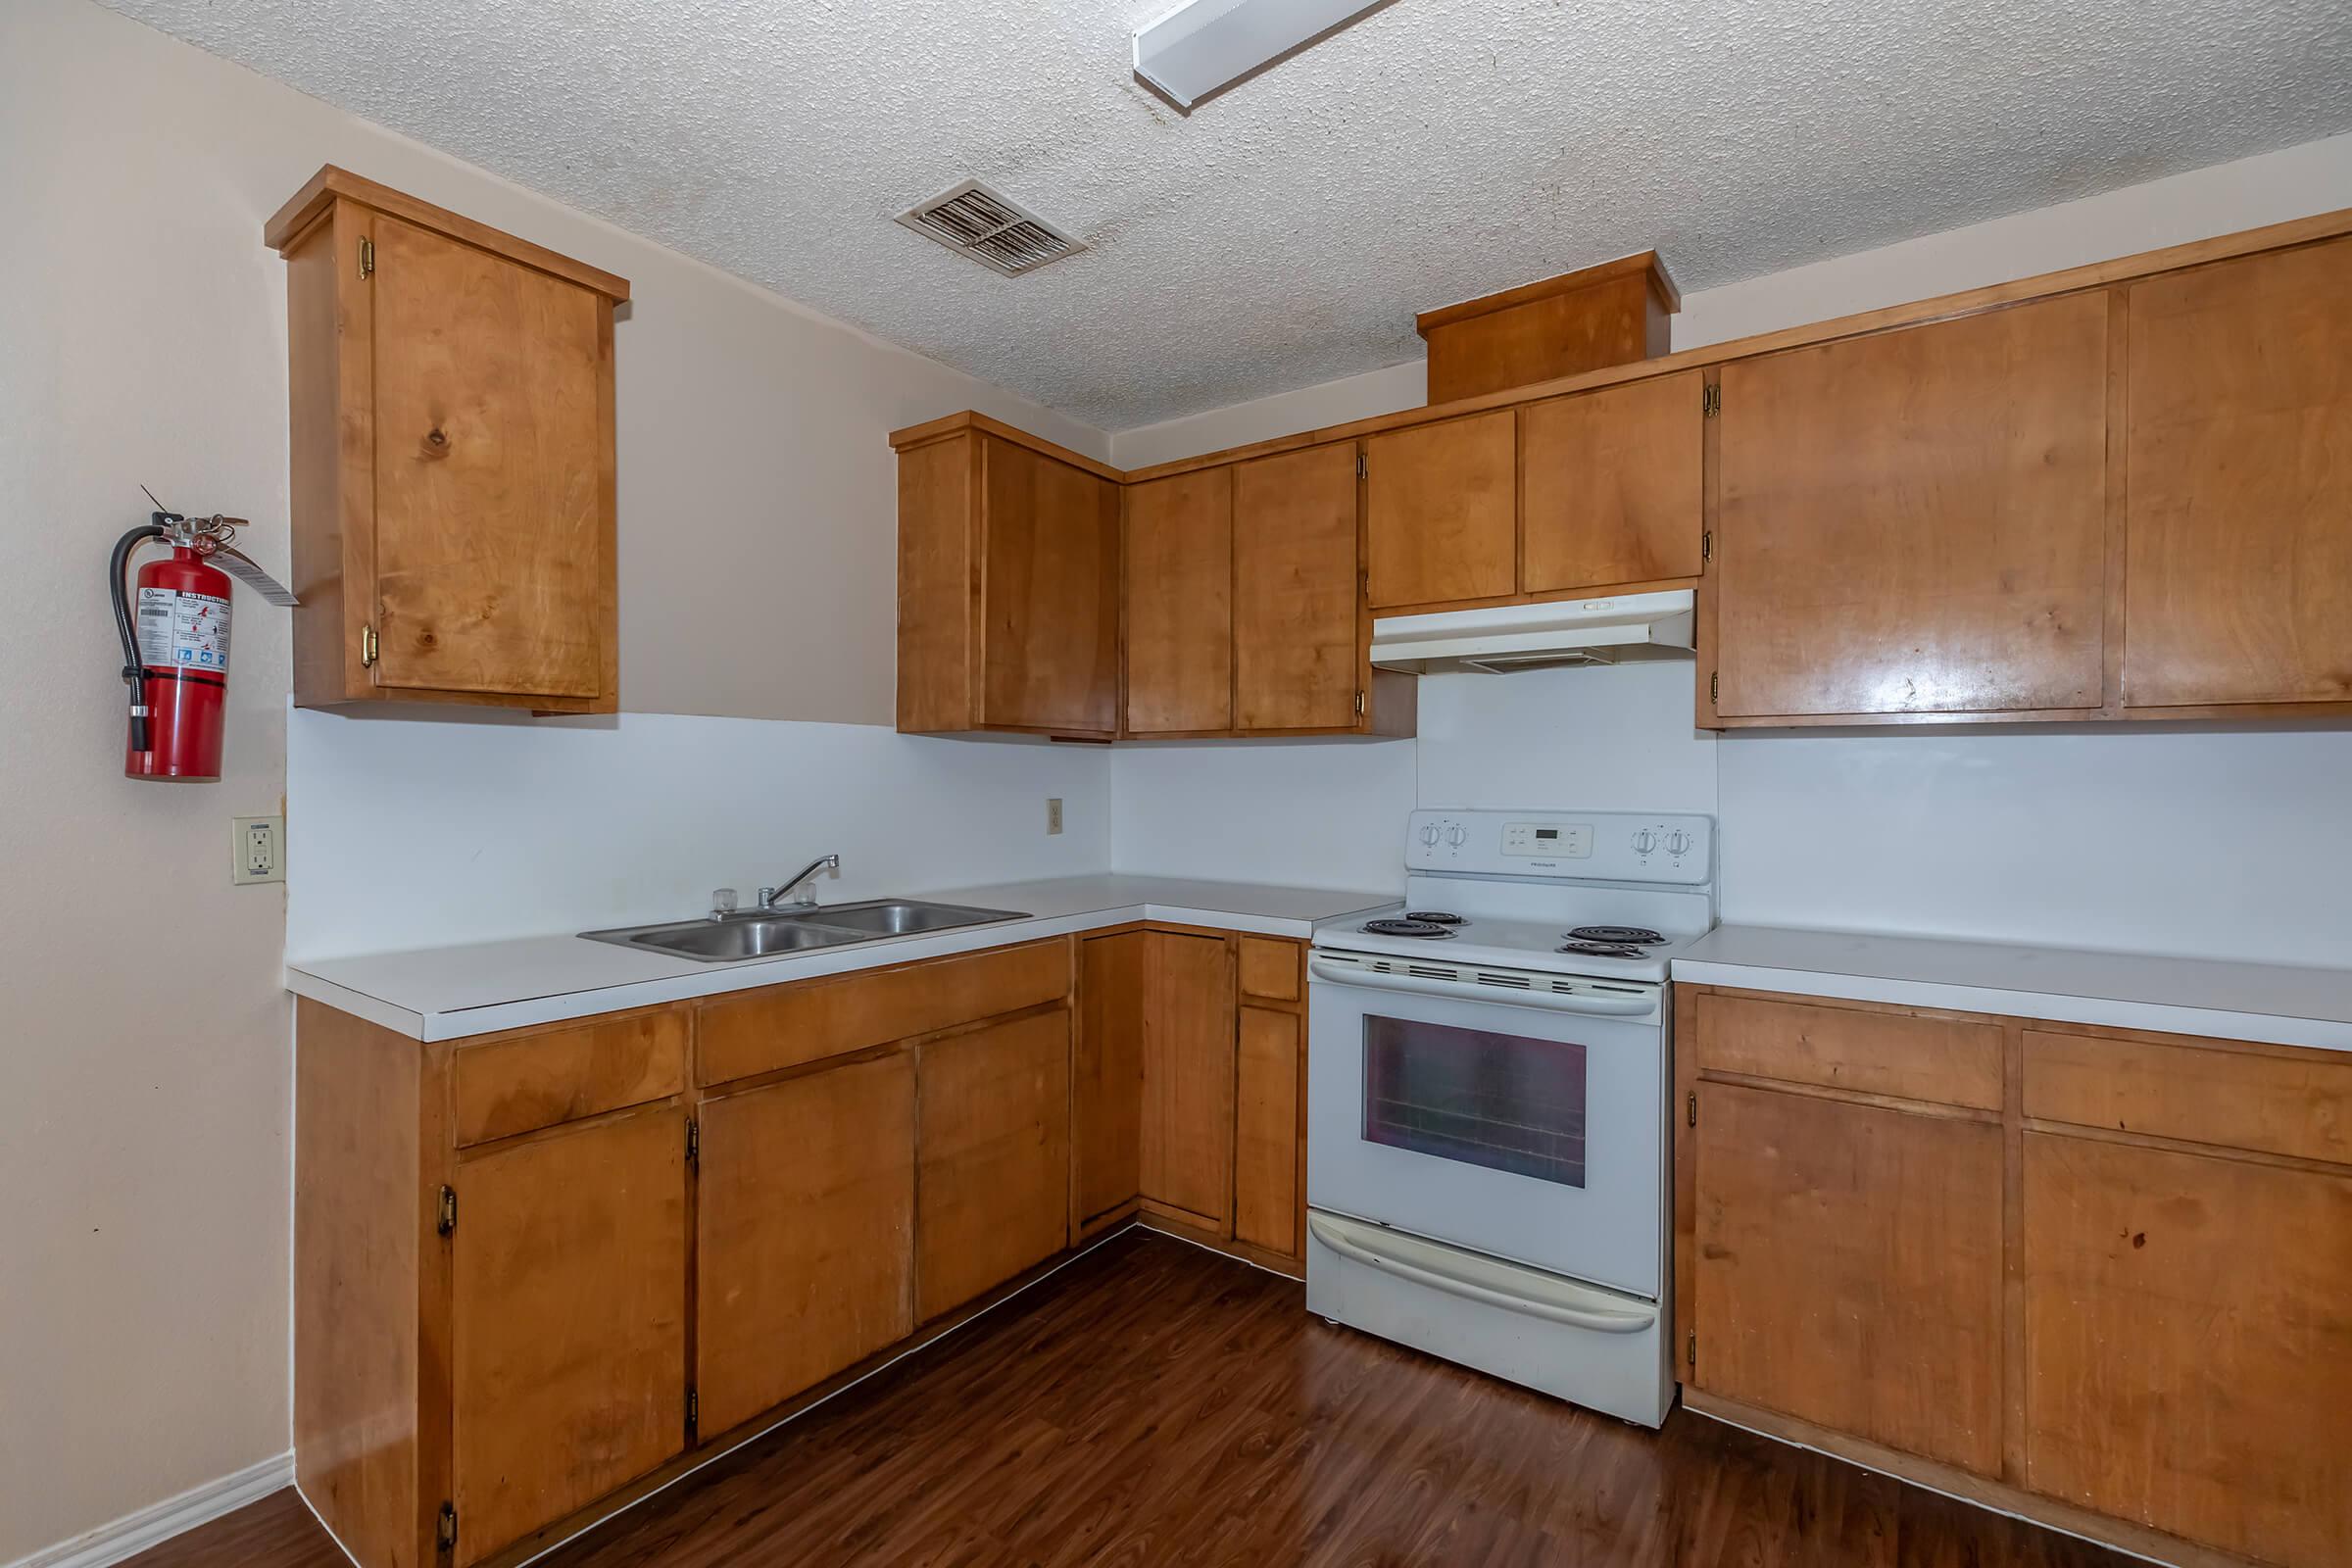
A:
134, 1532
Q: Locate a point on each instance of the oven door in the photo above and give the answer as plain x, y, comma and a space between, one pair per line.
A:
1525, 1129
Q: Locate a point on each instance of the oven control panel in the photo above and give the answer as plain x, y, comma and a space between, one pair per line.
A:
1592, 846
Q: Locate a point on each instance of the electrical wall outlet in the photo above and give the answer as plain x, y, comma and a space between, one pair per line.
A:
1053, 813
257, 849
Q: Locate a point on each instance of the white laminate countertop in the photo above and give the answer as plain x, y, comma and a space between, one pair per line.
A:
2281, 1004
445, 993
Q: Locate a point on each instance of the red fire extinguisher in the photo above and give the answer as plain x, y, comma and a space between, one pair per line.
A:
175, 642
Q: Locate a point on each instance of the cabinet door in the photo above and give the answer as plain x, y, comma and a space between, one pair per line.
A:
1441, 511
805, 1218
1107, 1074
2239, 586
494, 565
568, 1321
1915, 522
2188, 1356
1186, 1131
1849, 1269
1265, 1137
1049, 630
1179, 570
1298, 661
993, 1136
1610, 485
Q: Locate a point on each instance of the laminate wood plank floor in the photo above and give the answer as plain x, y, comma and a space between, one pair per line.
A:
1154, 1404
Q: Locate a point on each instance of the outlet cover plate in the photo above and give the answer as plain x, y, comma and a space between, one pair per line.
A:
257, 849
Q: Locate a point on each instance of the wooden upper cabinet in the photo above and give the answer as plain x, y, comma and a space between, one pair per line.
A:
568, 1322
1441, 510
2188, 1358
1601, 316
1008, 584
452, 457
2238, 579
1849, 1268
1611, 485
1179, 595
1298, 658
1915, 522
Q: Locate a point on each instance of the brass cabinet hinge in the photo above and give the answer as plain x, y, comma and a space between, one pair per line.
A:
1715, 687
445, 1535
1691, 1352
1706, 545
366, 258
448, 1222
694, 1143
1710, 402
694, 1407
1360, 465
1361, 701
367, 647
1690, 1109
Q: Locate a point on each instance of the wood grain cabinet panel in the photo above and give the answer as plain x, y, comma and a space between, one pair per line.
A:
2238, 581
993, 1129
1915, 522
525, 1082
1849, 1269
1947, 1060
1049, 633
568, 1322
805, 1218
1186, 1131
1298, 657
1441, 510
1106, 1088
1179, 593
2292, 1102
1270, 969
1611, 485
2188, 1349
1265, 1139
452, 457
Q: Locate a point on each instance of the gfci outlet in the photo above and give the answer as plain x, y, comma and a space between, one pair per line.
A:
257, 849
1053, 813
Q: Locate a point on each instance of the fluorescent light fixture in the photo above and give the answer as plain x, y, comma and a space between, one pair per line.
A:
1197, 48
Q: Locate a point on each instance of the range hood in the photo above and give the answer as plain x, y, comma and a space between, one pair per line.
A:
1628, 630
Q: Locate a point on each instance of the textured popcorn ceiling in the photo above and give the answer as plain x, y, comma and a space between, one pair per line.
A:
1285, 233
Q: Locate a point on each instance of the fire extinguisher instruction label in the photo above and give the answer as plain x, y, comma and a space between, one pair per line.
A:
184, 629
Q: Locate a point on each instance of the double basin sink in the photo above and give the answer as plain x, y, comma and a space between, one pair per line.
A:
798, 928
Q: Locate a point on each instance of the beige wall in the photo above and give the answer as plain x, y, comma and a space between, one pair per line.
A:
143, 1056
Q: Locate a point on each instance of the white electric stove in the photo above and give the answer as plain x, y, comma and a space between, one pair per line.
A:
1486, 1084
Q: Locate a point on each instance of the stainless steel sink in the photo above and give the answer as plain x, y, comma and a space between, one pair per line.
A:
761, 933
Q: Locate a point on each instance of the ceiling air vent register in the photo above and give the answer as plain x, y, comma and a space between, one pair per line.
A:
994, 231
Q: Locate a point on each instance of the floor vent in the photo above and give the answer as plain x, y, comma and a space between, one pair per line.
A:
974, 220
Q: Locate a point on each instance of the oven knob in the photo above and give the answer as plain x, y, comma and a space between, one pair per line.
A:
1429, 834
1454, 835
1644, 841
1677, 843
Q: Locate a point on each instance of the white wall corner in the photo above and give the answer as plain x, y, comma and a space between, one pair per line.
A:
159, 1522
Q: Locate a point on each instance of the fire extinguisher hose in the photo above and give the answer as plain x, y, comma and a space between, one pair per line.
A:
133, 672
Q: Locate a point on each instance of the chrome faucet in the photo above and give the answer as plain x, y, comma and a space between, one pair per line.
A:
769, 897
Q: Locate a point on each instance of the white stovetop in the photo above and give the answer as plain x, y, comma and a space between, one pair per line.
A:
445, 993
2282, 1004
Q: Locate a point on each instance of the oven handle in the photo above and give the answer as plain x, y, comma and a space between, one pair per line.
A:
1557, 1001
1336, 1235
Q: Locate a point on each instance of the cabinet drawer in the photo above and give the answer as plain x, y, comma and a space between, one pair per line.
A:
2204, 1093
1953, 1062
1270, 969
763, 1031
526, 1082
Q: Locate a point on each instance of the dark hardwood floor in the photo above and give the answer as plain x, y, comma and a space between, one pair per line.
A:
1154, 1404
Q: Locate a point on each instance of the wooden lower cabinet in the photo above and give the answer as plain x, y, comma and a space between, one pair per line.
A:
994, 1139
2188, 1344
2114, 1300
1268, 1096
1106, 1079
1186, 1132
1849, 1269
804, 1217
568, 1322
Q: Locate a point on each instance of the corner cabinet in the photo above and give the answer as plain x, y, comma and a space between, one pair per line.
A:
1008, 584
2091, 1275
452, 457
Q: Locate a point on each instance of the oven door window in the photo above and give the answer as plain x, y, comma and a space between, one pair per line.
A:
1504, 1102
